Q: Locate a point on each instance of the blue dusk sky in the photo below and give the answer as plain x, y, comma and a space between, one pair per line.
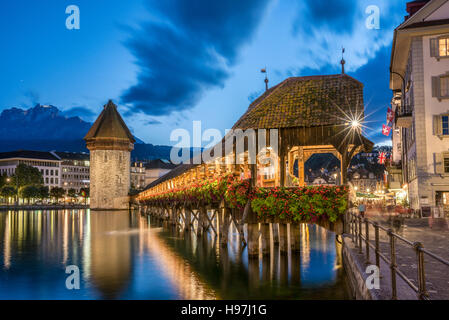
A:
167, 63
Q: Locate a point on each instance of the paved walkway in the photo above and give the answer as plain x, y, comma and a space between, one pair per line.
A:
433, 233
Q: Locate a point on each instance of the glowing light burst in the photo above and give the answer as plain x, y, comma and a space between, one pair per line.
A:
355, 120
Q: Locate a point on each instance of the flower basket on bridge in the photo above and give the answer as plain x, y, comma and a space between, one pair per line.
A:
318, 204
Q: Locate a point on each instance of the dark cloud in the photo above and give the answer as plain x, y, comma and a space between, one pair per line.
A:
81, 112
153, 122
188, 53
339, 15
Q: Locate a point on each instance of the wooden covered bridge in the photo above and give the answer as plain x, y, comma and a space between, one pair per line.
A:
292, 121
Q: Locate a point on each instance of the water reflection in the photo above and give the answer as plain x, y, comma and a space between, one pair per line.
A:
123, 255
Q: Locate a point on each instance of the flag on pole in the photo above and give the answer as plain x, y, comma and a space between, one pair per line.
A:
390, 115
386, 130
382, 158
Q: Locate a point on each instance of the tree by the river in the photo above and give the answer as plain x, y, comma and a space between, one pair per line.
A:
57, 193
26, 175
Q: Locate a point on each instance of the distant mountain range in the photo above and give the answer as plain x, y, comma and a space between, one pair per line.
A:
45, 128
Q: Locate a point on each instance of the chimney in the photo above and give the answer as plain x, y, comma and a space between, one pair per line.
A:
414, 6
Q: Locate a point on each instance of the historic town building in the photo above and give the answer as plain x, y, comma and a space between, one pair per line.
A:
420, 83
48, 163
155, 169
110, 143
75, 170
137, 175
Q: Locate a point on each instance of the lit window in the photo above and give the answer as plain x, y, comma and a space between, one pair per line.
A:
443, 47
444, 86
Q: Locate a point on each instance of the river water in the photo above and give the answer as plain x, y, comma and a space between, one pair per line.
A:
123, 255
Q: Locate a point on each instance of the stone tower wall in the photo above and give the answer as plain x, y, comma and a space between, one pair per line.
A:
110, 179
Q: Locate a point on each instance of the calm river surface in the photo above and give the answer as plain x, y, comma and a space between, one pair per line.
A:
122, 255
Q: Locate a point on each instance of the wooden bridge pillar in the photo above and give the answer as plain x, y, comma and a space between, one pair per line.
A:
199, 225
283, 238
253, 240
275, 231
265, 234
225, 222
172, 213
187, 221
295, 237
202, 225
175, 217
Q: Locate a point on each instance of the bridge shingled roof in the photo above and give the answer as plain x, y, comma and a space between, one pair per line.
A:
305, 102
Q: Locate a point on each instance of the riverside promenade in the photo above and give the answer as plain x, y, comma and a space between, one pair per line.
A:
432, 233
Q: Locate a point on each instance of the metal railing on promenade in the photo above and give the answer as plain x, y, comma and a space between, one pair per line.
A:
359, 229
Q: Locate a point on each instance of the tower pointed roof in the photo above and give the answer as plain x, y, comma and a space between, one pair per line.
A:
109, 124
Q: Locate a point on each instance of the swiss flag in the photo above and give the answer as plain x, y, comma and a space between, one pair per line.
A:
382, 158
390, 115
386, 130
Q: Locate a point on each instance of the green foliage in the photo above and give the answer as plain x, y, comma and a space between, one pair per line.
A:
29, 192
26, 175
7, 191
302, 204
57, 193
3, 180
72, 193
44, 192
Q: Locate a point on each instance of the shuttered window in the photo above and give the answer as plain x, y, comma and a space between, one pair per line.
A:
445, 123
444, 87
439, 47
441, 125
443, 47
446, 165
440, 87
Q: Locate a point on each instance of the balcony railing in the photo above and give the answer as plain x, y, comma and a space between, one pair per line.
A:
403, 116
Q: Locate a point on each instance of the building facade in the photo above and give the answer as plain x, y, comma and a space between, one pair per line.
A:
364, 181
420, 83
138, 175
110, 143
75, 168
155, 169
48, 163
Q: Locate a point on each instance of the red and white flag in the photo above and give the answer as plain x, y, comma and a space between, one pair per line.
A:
382, 158
390, 115
386, 130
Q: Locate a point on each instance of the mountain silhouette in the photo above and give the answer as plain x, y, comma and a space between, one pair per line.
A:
45, 128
